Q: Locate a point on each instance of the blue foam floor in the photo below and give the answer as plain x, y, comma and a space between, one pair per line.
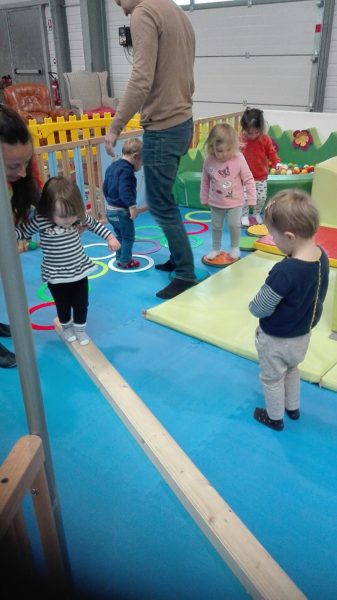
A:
127, 534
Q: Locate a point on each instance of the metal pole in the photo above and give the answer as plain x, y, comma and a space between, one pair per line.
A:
15, 295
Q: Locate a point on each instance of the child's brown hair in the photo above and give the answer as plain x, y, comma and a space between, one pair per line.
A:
223, 133
132, 147
66, 193
292, 210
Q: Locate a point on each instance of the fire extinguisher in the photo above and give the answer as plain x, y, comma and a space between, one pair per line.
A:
55, 88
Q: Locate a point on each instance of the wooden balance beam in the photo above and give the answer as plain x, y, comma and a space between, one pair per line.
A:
257, 571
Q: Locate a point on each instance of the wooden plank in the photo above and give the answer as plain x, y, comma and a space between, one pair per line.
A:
47, 527
258, 572
16, 475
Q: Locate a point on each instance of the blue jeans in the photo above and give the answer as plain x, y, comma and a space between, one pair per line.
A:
124, 229
162, 151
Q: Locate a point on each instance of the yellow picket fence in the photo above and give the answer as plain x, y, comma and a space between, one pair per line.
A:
72, 149
75, 129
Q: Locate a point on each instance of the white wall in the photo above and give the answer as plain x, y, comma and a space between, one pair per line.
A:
120, 62
210, 25
224, 78
330, 100
325, 123
73, 13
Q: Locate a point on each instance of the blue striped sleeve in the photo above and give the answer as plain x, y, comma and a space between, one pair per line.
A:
265, 302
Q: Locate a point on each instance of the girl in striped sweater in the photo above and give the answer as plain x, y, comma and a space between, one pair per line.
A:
65, 266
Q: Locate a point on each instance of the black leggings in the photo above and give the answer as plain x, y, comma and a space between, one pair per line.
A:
72, 295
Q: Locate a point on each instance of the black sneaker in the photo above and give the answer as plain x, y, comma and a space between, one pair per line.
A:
168, 266
5, 330
176, 287
293, 414
7, 358
261, 415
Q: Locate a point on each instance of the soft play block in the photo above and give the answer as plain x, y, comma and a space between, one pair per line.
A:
324, 191
329, 380
326, 237
278, 183
216, 311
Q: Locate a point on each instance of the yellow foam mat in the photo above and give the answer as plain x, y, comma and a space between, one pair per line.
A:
216, 311
330, 379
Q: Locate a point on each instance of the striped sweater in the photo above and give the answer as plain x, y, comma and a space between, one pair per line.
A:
64, 259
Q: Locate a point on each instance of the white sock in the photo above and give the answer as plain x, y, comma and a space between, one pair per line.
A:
213, 254
81, 335
235, 252
68, 332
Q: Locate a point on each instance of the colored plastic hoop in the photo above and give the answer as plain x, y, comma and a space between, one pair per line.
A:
154, 242
150, 264
104, 270
33, 309
193, 212
41, 292
204, 227
111, 255
195, 242
155, 237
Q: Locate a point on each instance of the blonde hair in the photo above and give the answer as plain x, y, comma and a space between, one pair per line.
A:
132, 147
66, 193
292, 210
223, 133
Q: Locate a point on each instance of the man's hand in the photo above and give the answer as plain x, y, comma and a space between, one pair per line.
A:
113, 243
109, 143
133, 212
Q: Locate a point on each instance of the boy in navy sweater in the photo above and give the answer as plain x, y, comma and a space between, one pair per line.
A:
289, 304
120, 191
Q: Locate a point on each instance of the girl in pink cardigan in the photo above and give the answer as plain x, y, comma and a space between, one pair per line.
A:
225, 175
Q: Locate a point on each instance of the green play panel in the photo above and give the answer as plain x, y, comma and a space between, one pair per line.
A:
216, 311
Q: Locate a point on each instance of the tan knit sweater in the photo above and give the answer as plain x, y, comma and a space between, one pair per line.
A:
161, 83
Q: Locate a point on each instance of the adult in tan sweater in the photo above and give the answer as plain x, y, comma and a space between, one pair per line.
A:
161, 87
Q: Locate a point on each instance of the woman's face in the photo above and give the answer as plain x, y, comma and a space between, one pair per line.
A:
16, 158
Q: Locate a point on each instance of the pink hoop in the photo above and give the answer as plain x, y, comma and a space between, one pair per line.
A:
33, 309
203, 226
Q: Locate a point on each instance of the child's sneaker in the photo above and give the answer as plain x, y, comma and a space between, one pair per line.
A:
213, 254
258, 219
68, 332
235, 253
132, 264
261, 415
293, 414
245, 221
81, 335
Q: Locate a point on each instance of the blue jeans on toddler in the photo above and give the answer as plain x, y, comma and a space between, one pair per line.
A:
162, 151
124, 229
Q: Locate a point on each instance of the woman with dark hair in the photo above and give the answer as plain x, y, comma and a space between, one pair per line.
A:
23, 185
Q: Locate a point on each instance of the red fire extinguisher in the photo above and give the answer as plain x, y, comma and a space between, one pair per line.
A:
55, 88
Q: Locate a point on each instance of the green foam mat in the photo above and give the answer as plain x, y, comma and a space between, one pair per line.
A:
216, 311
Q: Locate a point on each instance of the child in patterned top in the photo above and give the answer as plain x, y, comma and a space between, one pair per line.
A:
225, 174
65, 266
258, 150
289, 304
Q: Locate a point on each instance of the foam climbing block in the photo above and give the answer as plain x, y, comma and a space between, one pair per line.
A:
326, 237
216, 311
278, 183
324, 191
329, 380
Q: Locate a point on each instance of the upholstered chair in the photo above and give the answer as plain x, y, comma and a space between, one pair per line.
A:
32, 101
87, 92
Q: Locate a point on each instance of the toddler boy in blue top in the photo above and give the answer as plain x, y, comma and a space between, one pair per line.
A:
120, 191
289, 304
